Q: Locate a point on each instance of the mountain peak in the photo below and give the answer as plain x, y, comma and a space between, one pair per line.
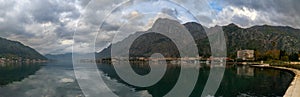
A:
232, 25
161, 21
164, 24
165, 20
192, 23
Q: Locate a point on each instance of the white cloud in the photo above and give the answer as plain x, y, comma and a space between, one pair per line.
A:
134, 14
67, 42
244, 12
1, 19
242, 16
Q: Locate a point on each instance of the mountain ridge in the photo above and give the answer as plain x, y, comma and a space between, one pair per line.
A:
260, 38
10, 48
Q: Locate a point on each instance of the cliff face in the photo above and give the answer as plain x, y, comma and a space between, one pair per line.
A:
16, 49
260, 38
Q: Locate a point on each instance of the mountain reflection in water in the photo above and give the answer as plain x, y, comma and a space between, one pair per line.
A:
57, 79
16, 72
237, 80
53, 79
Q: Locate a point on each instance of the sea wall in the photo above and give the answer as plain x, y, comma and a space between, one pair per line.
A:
294, 88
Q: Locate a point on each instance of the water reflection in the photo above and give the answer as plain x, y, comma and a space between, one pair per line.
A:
16, 72
249, 81
49, 80
58, 80
245, 71
53, 79
237, 80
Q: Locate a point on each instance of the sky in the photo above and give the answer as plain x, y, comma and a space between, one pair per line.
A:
49, 25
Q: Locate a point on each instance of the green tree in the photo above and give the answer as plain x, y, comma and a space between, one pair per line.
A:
294, 57
285, 58
272, 55
283, 55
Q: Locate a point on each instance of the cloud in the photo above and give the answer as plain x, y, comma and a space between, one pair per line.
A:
134, 13
242, 16
36, 23
66, 42
44, 24
48, 25
244, 12
171, 12
281, 13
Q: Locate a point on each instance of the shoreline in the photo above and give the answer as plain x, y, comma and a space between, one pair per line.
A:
294, 87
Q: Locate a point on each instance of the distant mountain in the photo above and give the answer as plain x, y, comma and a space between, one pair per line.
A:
60, 57
9, 49
67, 57
260, 38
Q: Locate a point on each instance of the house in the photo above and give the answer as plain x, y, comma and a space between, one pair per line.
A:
245, 55
2, 60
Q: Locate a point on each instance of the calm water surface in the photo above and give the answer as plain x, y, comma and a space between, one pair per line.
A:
237, 80
57, 79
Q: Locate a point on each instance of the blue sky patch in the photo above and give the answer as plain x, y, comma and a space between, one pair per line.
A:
215, 6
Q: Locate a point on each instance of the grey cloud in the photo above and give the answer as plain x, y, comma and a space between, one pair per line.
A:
204, 19
241, 21
171, 12
109, 27
63, 32
84, 2
49, 11
280, 12
266, 5
15, 15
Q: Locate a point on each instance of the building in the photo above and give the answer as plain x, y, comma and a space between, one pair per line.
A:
246, 55
2, 60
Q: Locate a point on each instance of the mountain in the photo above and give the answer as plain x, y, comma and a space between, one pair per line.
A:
60, 57
68, 57
262, 38
259, 38
9, 49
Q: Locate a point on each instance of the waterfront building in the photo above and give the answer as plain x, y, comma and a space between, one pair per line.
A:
246, 55
2, 60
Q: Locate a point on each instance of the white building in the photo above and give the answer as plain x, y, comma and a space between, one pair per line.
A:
245, 54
